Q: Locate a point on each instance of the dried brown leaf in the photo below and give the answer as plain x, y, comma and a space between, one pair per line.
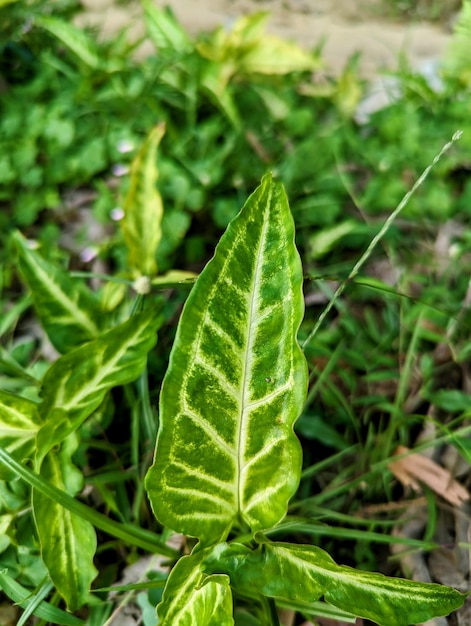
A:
413, 469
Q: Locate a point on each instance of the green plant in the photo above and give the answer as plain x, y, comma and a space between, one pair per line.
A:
227, 460
363, 364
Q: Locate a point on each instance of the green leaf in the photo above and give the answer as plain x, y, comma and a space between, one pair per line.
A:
68, 542
226, 453
456, 61
75, 39
76, 384
143, 208
21, 596
306, 573
246, 49
164, 29
192, 597
19, 424
69, 312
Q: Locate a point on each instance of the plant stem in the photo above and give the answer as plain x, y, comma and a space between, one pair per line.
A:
377, 238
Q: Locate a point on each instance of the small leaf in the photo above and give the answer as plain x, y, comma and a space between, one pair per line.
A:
143, 208
69, 312
73, 38
68, 542
305, 573
76, 384
192, 597
274, 56
226, 452
164, 29
19, 424
173, 279
246, 50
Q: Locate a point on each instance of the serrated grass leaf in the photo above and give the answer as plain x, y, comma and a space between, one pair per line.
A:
143, 208
226, 454
306, 573
192, 597
69, 312
76, 384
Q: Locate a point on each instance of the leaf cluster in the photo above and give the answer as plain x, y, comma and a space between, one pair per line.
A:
78, 421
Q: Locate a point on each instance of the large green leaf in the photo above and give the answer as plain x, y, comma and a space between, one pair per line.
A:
143, 208
305, 573
75, 385
68, 542
226, 453
69, 312
192, 597
19, 424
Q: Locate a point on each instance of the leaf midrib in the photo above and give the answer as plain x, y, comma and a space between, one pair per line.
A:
247, 363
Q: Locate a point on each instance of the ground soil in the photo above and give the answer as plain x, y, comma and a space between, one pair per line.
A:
347, 26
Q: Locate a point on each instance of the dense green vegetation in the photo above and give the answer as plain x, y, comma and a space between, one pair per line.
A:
176, 143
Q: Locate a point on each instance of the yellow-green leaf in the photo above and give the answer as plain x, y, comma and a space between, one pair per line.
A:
69, 312
68, 542
305, 573
226, 453
143, 208
19, 424
193, 597
76, 384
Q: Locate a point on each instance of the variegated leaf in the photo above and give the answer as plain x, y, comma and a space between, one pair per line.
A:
192, 597
68, 542
226, 453
19, 424
143, 208
69, 312
77, 382
305, 573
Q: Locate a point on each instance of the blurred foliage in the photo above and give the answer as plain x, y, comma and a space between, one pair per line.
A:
431, 10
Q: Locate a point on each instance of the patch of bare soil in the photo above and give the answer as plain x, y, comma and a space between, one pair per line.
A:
346, 27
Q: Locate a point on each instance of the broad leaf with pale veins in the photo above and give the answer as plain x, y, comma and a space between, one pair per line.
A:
19, 424
77, 382
226, 454
69, 312
68, 542
306, 573
143, 208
